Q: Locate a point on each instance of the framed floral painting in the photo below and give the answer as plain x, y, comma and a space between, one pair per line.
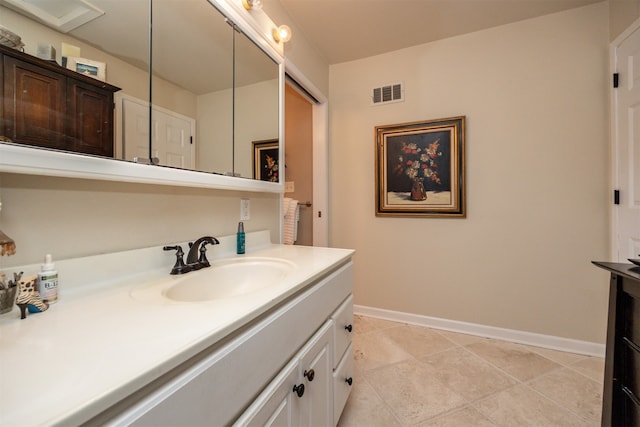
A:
265, 160
420, 169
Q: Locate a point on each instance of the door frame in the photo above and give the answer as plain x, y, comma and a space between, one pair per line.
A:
615, 143
320, 202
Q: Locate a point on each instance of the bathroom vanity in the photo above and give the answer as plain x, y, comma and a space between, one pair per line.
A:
120, 352
621, 397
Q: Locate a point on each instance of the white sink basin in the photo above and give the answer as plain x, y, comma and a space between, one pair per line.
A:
228, 278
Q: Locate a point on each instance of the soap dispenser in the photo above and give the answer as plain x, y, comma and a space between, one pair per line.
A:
240, 238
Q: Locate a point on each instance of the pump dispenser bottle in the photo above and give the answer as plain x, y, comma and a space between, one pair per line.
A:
48, 281
240, 238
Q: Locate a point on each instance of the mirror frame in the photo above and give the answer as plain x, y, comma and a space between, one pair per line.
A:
34, 161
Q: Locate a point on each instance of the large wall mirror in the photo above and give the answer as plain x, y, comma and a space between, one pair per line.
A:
209, 89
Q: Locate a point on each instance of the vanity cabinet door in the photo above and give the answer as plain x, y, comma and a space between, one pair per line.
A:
278, 404
343, 378
316, 369
33, 104
90, 113
302, 393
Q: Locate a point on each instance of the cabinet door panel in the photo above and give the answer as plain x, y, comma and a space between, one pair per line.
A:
90, 119
34, 102
277, 405
317, 357
343, 378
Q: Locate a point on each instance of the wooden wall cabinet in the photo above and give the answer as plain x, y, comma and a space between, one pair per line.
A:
48, 106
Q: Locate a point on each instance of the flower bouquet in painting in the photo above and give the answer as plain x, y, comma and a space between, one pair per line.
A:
418, 164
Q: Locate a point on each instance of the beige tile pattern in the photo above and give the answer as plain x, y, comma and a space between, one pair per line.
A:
413, 376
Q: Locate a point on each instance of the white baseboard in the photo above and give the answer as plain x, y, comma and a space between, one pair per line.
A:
538, 340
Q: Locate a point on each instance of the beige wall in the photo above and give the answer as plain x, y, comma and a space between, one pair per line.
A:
299, 51
622, 13
535, 98
74, 217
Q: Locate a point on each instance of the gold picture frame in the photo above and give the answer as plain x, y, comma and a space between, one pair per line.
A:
420, 169
266, 160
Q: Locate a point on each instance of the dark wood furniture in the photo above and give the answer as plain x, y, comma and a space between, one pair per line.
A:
46, 105
621, 399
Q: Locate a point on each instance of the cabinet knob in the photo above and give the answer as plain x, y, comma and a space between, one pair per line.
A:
349, 381
298, 389
348, 328
310, 374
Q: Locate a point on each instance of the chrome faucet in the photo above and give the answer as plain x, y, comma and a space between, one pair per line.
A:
197, 257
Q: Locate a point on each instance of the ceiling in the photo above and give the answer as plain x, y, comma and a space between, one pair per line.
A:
345, 30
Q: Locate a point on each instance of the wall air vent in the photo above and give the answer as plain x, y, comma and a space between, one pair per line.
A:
387, 94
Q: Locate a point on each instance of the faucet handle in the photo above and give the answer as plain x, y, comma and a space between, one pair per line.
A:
202, 260
179, 267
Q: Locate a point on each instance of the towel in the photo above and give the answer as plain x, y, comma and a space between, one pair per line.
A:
291, 211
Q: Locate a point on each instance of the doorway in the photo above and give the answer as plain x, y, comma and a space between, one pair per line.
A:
299, 159
625, 55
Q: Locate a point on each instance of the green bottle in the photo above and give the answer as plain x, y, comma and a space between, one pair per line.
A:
240, 238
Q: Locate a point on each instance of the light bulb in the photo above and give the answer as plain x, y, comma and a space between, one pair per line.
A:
282, 34
252, 4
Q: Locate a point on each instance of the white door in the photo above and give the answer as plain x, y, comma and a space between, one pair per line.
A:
626, 104
172, 139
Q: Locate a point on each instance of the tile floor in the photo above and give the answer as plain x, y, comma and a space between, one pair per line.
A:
414, 376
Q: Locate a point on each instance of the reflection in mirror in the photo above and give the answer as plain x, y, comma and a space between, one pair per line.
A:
255, 102
192, 86
191, 90
51, 106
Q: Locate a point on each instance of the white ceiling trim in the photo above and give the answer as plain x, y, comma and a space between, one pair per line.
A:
61, 15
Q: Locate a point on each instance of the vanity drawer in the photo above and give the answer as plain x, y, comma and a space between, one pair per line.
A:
343, 378
631, 304
342, 328
630, 408
629, 375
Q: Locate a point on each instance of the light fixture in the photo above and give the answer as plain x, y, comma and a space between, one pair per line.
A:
282, 34
252, 4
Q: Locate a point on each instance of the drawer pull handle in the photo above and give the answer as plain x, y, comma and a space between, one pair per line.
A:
298, 389
349, 381
349, 328
310, 374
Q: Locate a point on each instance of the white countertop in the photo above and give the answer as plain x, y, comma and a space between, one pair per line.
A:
98, 344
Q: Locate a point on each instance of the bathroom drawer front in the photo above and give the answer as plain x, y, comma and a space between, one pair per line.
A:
341, 383
630, 374
342, 328
631, 304
630, 408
